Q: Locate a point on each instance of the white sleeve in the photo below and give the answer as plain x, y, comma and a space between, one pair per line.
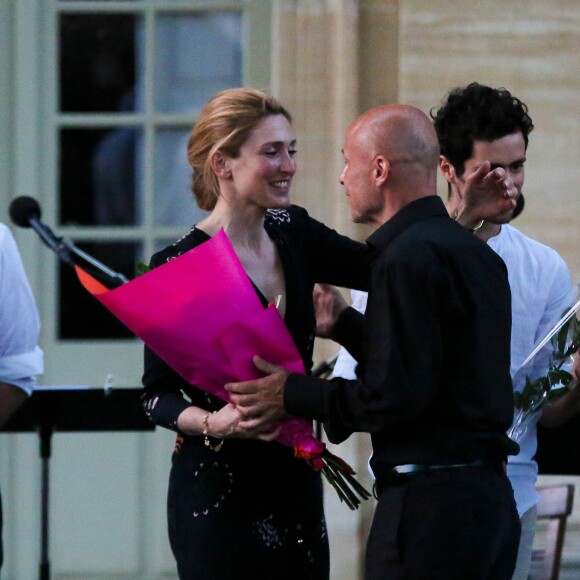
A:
560, 298
345, 366
20, 357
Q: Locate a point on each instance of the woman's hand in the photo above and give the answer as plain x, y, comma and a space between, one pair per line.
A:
328, 304
223, 424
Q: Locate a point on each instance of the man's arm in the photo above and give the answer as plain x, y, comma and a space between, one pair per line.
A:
11, 398
383, 397
20, 357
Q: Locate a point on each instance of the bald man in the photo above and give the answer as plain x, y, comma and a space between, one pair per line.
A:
434, 390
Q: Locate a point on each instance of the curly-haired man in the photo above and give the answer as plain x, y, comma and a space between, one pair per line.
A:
478, 124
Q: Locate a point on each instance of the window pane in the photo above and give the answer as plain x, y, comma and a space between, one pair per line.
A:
174, 201
97, 62
98, 176
81, 315
196, 56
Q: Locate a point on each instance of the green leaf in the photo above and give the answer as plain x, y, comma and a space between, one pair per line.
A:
569, 335
141, 268
533, 392
575, 330
555, 382
558, 378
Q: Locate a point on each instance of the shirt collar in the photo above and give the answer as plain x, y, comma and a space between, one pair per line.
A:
417, 210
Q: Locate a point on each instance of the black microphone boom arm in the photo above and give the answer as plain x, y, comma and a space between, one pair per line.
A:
25, 212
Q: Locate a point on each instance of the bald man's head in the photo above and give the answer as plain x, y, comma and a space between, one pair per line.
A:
400, 132
391, 156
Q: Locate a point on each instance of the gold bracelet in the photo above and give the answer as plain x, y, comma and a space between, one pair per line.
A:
206, 440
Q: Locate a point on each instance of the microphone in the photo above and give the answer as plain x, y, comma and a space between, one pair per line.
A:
22, 209
25, 212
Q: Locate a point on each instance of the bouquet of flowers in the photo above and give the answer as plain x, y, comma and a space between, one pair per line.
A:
545, 373
200, 313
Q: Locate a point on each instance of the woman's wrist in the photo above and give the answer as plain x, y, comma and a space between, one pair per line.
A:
207, 434
190, 421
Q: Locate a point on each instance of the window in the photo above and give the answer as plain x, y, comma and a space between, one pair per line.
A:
130, 87
122, 84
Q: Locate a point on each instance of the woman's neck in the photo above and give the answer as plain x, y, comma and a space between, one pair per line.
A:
243, 225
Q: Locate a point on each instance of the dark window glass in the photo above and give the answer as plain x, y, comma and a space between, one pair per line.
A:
97, 62
82, 315
98, 176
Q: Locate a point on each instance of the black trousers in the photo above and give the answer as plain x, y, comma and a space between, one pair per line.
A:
447, 524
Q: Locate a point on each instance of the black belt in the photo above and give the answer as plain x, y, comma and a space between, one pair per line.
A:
400, 473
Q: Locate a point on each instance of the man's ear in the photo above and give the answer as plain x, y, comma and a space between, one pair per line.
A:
220, 165
381, 169
447, 169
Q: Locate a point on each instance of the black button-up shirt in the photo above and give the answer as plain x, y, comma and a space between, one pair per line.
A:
434, 382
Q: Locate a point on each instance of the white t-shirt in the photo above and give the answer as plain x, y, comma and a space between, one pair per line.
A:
541, 290
20, 357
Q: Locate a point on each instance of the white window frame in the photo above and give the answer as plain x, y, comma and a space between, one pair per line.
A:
91, 361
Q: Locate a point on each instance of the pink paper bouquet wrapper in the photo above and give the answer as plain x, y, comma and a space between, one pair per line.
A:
259, 332
200, 313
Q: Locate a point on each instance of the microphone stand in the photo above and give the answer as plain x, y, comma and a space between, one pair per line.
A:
74, 256
45, 434
70, 254
67, 409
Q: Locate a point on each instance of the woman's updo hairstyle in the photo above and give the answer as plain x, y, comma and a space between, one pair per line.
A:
224, 124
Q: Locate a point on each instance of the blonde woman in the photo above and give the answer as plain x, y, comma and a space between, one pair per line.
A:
241, 507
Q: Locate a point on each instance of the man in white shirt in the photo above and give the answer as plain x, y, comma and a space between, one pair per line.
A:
477, 123
20, 357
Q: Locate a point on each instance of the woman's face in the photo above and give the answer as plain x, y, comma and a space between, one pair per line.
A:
263, 171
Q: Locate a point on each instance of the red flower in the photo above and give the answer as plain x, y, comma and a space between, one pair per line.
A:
309, 448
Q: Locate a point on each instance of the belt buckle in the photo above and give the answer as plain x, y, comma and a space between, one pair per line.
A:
408, 468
